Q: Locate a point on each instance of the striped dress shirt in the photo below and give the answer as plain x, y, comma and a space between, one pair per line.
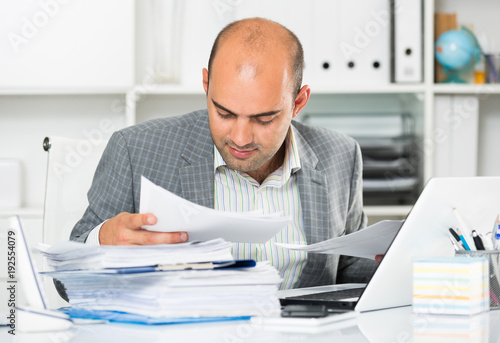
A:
237, 192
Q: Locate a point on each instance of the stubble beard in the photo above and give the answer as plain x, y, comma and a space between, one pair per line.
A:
250, 164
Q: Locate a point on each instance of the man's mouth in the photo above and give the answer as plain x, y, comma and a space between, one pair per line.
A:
241, 153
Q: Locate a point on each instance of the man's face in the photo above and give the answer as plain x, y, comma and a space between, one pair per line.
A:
250, 108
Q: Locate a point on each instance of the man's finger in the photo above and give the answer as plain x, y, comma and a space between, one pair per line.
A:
136, 221
145, 237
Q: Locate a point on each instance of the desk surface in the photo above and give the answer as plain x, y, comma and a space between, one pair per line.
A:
394, 325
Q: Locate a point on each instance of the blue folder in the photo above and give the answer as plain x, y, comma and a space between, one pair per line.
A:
125, 317
237, 264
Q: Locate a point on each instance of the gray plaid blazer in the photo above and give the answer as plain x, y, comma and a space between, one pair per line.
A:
178, 154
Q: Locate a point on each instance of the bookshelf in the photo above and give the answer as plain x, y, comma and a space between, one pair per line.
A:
126, 93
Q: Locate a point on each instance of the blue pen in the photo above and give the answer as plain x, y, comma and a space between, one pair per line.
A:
462, 238
496, 234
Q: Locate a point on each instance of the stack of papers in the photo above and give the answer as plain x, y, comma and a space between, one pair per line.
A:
174, 213
178, 282
72, 255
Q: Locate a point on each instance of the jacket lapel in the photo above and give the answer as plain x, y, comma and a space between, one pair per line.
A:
313, 193
315, 213
197, 177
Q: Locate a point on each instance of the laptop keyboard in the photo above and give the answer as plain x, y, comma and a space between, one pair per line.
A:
330, 296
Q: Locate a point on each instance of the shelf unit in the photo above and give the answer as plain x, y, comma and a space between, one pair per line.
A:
71, 110
165, 89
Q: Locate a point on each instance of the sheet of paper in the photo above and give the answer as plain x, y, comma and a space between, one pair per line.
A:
369, 242
202, 223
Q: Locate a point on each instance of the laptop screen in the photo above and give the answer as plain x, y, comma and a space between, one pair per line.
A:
24, 273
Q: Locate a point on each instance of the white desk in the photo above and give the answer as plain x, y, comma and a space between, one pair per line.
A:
395, 325
398, 325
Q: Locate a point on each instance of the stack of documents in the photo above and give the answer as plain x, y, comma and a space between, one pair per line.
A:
72, 255
451, 285
174, 213
177, 282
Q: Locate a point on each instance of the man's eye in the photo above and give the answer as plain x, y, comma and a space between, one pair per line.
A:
265, 122
224, 116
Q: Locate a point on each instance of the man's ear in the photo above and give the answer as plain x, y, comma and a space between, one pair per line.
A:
301, 100
205, 80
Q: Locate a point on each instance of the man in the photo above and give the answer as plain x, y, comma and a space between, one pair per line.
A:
242, 153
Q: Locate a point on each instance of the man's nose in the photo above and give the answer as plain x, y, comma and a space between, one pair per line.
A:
241, 133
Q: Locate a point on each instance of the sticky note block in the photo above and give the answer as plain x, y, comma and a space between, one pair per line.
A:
451, 285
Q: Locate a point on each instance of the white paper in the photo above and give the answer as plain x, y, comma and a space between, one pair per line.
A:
69, 255
202, 223
369, 242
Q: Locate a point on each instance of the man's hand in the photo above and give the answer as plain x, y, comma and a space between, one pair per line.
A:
125, 229
378, 258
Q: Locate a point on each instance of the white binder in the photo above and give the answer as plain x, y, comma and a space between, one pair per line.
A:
407, 41
351, 43
363, 42
456, 138
345, 42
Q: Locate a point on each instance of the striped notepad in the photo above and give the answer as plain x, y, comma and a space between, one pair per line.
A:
451, 285
442, 328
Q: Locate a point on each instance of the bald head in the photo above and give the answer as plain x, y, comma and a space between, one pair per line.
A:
259, 40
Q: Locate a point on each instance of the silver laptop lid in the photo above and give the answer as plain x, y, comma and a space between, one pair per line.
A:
425, 234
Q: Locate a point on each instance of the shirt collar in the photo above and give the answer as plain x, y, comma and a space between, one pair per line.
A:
291, 163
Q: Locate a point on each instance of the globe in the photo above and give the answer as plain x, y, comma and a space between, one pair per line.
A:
456, 51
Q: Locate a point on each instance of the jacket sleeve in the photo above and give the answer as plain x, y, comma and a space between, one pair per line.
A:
111, 191
353, 269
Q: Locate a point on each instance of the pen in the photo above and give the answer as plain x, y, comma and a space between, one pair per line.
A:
497, 234
462, 238
455, 245
488, 245
493, 71
459, 242
477, 240
466, 231
493, 297
494, 233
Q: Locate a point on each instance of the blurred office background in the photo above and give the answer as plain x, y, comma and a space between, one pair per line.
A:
84, 69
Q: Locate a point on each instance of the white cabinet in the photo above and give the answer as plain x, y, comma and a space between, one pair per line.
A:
58, 45
88, 61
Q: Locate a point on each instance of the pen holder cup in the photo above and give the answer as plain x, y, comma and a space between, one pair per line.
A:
493, 257
492, 68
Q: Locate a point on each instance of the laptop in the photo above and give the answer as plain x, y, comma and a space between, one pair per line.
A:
34, 315
424, 233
